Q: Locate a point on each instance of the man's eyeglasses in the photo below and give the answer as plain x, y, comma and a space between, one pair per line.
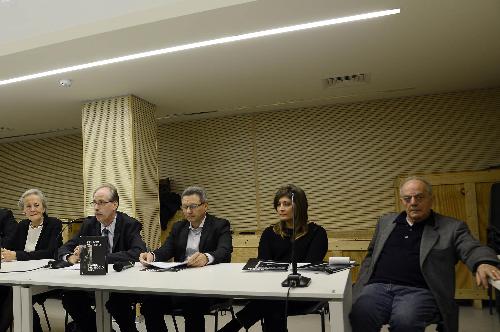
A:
418, 198
99, 203
191, 206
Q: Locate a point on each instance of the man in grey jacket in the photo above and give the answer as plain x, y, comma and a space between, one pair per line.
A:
407, 279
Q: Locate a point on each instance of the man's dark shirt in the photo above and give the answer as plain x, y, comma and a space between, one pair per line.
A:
399, 261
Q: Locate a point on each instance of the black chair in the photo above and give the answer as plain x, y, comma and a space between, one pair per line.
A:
46, 316
439, 324
41, 298
319, 308
493, 231
214, 310
494, 237
44, 313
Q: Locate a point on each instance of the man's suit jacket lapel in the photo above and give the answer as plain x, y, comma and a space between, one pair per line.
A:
118, 231
22, 232
97, 227
429, 238
183, 237
205, 233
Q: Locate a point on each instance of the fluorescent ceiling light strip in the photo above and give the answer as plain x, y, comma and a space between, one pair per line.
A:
218, 41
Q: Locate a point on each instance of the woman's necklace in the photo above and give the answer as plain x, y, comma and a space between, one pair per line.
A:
36, 226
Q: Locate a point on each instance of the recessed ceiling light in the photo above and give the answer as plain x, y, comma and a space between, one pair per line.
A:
65, 83
217, 41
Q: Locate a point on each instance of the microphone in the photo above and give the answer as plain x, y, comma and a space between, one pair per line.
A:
58, 264
119, 266
294, 279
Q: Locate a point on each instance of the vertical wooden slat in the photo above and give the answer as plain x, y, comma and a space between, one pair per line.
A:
471, 208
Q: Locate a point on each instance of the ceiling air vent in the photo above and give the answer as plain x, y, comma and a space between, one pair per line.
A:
347, 80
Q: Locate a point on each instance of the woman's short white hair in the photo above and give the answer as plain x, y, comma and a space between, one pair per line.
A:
29, 192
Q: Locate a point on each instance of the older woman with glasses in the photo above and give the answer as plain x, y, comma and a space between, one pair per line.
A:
36, 237
311, 245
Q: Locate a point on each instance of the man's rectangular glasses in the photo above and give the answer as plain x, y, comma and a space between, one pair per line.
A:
191, 206
99, 203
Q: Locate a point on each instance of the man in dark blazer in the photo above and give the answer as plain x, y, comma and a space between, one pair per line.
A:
126, 244
407, 279
8, 226
199, 240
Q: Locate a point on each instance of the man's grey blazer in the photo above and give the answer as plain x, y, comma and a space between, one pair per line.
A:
444, 241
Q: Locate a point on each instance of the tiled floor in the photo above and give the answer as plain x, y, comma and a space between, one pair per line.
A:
471, 319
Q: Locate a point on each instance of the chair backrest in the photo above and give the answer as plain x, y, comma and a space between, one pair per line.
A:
494, 220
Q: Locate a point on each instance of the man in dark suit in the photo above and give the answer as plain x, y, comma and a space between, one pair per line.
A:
8, 226
201, 239
125, 245
407, 279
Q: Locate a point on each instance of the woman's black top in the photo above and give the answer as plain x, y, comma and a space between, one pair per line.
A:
309, 248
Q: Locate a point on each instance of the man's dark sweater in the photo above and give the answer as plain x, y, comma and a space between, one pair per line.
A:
399, 261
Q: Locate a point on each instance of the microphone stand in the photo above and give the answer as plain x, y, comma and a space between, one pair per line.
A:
295, 279
59, 263
60, 237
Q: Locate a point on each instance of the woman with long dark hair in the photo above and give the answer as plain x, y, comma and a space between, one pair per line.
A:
311, 246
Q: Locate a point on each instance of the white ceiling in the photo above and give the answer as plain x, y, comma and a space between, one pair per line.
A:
430, 47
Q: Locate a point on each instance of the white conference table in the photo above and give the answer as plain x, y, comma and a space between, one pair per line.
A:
221, 280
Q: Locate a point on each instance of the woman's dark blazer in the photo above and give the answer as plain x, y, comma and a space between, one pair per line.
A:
50, 239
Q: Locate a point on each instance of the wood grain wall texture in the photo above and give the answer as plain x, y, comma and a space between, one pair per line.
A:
346, 157
120, 147
53, 165
105, 124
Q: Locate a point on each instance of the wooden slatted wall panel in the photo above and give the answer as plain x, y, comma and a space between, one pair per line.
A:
53, 165
217, 154
483, 195
344, 156
147, 204
105, 122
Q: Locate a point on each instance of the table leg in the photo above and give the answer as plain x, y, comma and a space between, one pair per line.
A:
103, 318
339, 310
17, 308
26, 309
